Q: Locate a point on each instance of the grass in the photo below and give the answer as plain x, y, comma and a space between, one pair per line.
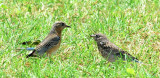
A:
132, 25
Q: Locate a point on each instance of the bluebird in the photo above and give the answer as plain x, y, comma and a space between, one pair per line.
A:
52, 42
110, 51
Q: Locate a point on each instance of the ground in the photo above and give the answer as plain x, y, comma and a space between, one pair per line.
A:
133, 25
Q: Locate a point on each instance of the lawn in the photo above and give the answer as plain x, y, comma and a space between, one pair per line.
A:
133, 25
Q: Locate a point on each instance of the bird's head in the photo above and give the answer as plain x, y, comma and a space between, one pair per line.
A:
98, 37
60, 25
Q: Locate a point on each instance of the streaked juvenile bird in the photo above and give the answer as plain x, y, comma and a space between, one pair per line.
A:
109, 50
52, 42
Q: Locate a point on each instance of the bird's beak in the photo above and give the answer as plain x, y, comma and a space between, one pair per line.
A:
92, 35
68, 26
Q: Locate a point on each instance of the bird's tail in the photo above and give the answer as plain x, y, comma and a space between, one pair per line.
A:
136, 60
31, 54
25, 49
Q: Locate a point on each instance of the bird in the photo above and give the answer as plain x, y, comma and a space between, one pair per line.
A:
51, 43
110, 51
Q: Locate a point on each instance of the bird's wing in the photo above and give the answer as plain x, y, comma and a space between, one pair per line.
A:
120, 52
49, 42
115, 50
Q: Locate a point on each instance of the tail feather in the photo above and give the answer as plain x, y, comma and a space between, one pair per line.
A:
30, 48
135, 60
31, 54
25, 49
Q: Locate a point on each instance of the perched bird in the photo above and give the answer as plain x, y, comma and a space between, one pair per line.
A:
52, 42
109, 50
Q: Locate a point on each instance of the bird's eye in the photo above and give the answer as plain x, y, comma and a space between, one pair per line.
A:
97, 36
63, 24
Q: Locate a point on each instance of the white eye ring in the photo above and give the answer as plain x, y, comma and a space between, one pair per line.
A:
63, 24
97, 36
